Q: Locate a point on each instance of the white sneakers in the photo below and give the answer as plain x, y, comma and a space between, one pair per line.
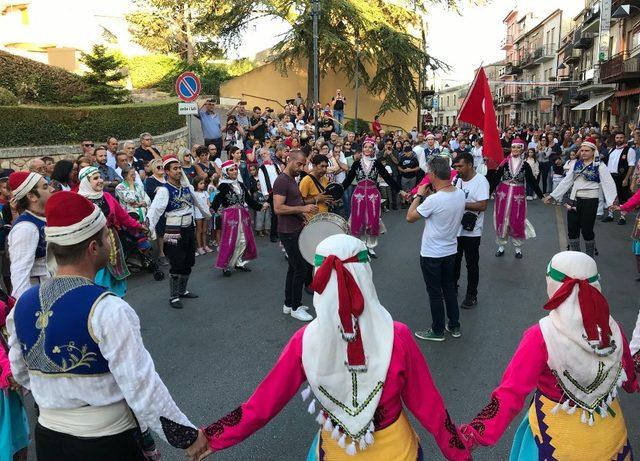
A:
300, 313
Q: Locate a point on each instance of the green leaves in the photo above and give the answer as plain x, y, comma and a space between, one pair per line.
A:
103, 77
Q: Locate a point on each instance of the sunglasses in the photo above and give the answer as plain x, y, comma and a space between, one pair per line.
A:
88, 145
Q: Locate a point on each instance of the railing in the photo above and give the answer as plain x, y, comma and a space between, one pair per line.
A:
544, 52
620, 67
583, 40
507, 42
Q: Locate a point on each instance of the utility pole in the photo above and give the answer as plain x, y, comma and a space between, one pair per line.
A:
315, 12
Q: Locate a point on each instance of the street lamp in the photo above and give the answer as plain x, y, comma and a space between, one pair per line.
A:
623, 11
315, 13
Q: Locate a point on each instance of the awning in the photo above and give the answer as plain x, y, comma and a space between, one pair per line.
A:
593, 102
630, 92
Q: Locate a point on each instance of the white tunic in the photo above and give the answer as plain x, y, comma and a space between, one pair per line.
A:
132, 376
22, 243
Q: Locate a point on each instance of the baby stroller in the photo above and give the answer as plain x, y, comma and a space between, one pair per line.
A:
138, 254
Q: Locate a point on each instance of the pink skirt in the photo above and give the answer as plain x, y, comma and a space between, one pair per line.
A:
365, 209
232, 218
510, 211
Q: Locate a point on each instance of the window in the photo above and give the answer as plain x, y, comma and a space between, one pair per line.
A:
634, 43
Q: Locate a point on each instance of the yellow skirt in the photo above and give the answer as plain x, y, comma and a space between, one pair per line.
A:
397, 442
564, 437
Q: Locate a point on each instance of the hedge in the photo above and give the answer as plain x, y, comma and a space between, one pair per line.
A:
41, 126
7, 98
32, 81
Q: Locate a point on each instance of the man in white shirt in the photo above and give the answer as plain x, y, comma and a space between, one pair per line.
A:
85, 365
442, 212
25, 243
620, 161
267, 174
112, 150
476, 190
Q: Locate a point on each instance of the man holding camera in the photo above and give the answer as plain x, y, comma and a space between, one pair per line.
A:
258, 124
476, 190
210, 123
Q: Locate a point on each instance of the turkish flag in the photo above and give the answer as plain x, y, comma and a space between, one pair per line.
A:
477, 109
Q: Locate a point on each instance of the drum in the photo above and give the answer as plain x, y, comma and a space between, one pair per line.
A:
318, 228
335, 190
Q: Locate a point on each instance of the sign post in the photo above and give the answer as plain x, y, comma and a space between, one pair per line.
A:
188, 89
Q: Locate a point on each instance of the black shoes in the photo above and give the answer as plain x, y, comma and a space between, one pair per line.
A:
176, 303
622, 221
499, 252
469, 302
243, 269
226, 272
188, 295
607, 219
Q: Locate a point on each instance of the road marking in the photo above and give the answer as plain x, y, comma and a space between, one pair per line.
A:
562, 233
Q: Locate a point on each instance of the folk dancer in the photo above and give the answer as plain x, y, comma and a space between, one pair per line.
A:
362, 368
237, 244
26, 243
114, 275
366, 199
633, 204
78, 348
510, 211
586, 177
574, 359
175, 201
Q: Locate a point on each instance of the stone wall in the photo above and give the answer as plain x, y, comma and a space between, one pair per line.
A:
16, 158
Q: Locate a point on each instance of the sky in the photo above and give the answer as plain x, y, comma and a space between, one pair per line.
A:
464, 41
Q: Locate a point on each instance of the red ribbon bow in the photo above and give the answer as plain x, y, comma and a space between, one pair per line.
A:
593, 306
350, 304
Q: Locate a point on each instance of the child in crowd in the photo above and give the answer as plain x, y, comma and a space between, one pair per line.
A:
535, 169
201, 195
482, 169
558, 173
215, 226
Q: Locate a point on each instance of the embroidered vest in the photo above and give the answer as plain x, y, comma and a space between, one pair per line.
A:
518, 177
623, 162
590, 173
53, 325
41, 249
179, 198
372, 175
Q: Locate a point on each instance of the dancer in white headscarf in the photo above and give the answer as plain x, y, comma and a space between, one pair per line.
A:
362, 369
575, 359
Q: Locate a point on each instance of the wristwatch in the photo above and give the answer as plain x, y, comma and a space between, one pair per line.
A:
421, 197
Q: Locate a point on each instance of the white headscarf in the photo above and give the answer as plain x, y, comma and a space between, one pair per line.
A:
324, 348
588, 370
85, 188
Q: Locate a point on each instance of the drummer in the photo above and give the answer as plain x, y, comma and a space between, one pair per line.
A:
366, 199
313, 185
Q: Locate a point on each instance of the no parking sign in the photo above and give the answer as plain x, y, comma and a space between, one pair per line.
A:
188, 86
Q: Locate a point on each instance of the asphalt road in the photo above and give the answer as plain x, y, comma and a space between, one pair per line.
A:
213, 353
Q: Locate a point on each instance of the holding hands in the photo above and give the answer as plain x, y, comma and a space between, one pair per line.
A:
200, 448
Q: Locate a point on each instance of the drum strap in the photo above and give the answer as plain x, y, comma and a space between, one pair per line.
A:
319, 186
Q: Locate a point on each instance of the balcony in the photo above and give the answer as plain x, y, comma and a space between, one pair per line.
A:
528, 61
544, 53
518, 97
506, 43
571, 55
510, 68
583, 40
620, 68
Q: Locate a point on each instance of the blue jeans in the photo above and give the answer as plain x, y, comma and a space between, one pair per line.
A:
439, 277
346, 198
338, 115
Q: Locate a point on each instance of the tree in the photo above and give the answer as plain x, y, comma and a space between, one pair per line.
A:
103, 77
176, 26
371, 36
